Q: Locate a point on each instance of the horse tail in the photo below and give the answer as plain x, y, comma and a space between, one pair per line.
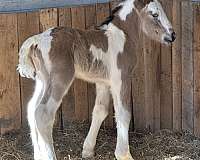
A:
27, 64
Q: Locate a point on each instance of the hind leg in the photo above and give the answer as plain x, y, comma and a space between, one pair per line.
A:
44, 117
32, 106
41, 117
100, 112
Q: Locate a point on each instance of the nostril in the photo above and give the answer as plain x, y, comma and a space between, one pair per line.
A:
173, 36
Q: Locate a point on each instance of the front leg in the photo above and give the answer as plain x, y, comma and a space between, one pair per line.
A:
121, 93
100, 112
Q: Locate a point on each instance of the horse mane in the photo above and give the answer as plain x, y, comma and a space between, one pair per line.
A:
110, 18
113, 14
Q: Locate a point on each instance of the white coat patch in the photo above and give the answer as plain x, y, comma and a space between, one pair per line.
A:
127, 8
116, 41
43, 41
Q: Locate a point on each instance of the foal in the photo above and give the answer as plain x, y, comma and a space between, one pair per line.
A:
105, 56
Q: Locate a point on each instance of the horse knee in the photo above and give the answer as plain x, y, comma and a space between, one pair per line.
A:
100, 112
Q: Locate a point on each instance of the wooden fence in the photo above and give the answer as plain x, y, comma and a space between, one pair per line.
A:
165, 84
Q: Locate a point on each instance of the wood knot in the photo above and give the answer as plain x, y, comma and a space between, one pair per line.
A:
2, 92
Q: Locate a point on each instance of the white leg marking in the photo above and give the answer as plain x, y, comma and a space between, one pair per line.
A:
43, 41
100, 112
32, 106
45, 115
41, 118
123, 118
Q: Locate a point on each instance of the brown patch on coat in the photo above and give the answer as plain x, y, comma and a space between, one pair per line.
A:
126, 62
70, 48
83, 57
95, 37
61, 58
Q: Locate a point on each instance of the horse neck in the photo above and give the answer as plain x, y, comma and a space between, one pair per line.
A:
131, 26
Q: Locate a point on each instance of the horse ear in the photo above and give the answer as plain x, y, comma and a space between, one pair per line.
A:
147, 1
140, 4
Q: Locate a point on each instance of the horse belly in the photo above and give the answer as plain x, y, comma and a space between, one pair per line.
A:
94, 72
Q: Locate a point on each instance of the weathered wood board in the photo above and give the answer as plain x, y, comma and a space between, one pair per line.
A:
187, 66
196, 48
177, 68
10, 105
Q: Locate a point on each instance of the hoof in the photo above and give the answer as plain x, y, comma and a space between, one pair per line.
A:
126, 157
87, 153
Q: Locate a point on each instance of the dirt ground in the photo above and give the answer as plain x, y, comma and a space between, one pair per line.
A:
164, 145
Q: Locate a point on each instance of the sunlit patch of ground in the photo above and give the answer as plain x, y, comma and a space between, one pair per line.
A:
164, 145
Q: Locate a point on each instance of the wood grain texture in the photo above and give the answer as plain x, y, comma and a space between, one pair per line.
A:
48, 18
166, 77
65, 17
156, 51
68, 103
196, 69
187, 66
80, 87
28, 25
10, 107
152, 84
176, 67
148, 84
138, 89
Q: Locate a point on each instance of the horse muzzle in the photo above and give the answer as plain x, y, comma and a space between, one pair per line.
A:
170, 38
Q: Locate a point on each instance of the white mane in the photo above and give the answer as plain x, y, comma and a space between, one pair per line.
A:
127, 8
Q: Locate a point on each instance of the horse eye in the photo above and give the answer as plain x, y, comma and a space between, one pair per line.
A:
155, 15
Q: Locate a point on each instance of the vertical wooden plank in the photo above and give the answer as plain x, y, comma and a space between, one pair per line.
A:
156, 48
103, 11
176, 68
68, 103
196, 69
10, 107
149, 104
166, 77
187, 66
80, 87
65, 17
28, 25
138, 89
49, 19
90, 17
152, 84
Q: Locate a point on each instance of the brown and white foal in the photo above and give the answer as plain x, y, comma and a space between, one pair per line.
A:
105, 56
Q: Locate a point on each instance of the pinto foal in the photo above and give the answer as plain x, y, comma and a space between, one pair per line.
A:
105, 56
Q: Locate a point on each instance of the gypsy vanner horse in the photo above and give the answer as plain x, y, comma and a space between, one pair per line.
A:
105, 56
